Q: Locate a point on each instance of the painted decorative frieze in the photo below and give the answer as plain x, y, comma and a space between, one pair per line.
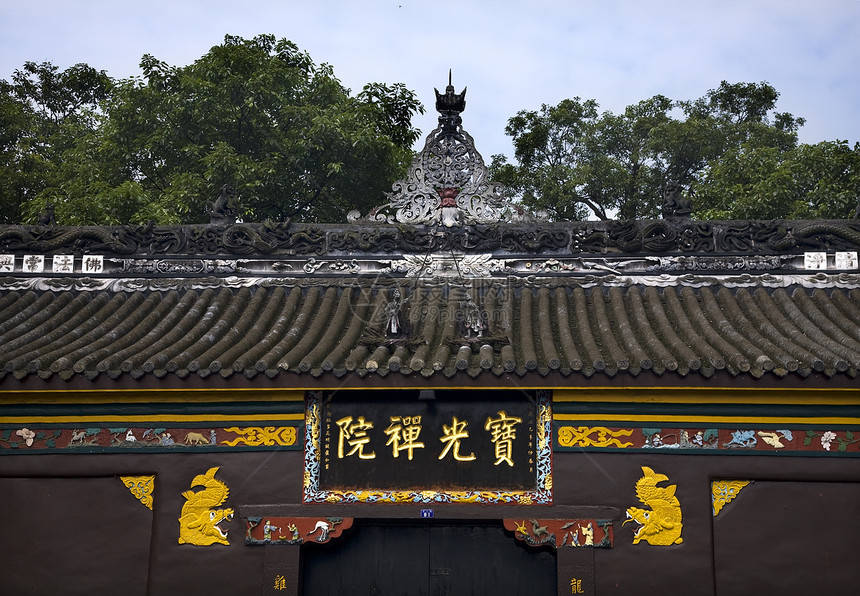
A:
660, 524
199, 523
149, 438
761, 440
263, 530
570, 533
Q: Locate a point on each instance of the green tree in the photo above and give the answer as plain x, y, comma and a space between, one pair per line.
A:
256, 115
44, 112
730, 150
820, 181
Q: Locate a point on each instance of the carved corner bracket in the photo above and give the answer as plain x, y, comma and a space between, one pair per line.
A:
724, 491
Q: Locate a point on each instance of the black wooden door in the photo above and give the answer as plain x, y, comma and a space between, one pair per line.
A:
427, 559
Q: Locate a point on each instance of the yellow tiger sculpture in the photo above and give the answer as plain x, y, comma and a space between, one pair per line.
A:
198, 523
661, 525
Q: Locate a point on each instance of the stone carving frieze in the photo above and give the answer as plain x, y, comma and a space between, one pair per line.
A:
641, 237
535, 280
442, 265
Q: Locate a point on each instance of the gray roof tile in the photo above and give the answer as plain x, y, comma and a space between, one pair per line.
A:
341, 330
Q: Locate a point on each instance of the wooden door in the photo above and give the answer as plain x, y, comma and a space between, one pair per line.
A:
427, 559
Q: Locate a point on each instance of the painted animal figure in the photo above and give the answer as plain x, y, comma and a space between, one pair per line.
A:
661, 525
196, 439
742, 439
537, 530
198, 523
324, 526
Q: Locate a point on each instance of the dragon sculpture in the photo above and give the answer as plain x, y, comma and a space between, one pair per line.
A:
199, 521
661, 525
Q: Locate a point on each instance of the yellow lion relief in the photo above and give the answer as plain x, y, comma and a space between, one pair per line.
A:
199, 521
661, 525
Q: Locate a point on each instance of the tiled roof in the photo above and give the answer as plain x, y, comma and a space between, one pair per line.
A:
344, 327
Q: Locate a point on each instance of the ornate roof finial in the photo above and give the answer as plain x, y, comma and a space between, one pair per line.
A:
447, 182
451, 103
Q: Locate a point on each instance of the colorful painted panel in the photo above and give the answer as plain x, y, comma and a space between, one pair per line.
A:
294, 530
576, 437
29, 439
572, 533
449, 449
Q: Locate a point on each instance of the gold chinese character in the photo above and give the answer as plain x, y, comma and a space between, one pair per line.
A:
576, 586
403, 434
280, 582
503, 433
453, 435
355, 436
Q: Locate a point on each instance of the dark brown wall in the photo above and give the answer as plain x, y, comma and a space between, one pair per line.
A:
820, 498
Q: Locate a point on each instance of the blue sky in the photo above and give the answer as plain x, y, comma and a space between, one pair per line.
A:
511, 55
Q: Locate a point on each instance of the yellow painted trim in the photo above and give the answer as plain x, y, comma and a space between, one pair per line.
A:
713, 395
108, 418
770, 420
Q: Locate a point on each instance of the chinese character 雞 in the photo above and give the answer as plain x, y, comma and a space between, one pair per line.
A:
453, 435
280, 582
355, 435
403, 434
502, 434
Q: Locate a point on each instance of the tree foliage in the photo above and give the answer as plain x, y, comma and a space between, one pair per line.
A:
730, 151
43, 114
256, 115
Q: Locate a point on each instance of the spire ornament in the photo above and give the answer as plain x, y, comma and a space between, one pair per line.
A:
448, 182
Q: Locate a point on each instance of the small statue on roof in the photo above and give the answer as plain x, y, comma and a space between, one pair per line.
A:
225, 209
391, 312
675, 204
473, 317
47, 217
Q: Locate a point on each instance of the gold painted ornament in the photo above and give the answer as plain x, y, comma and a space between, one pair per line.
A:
199, 521
661, 525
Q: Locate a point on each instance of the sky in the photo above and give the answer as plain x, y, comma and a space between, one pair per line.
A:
511, 55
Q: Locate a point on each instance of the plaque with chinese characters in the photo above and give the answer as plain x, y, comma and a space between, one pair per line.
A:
458, 446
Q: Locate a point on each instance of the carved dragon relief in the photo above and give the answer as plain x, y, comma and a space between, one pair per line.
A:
661, 525
199, 522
